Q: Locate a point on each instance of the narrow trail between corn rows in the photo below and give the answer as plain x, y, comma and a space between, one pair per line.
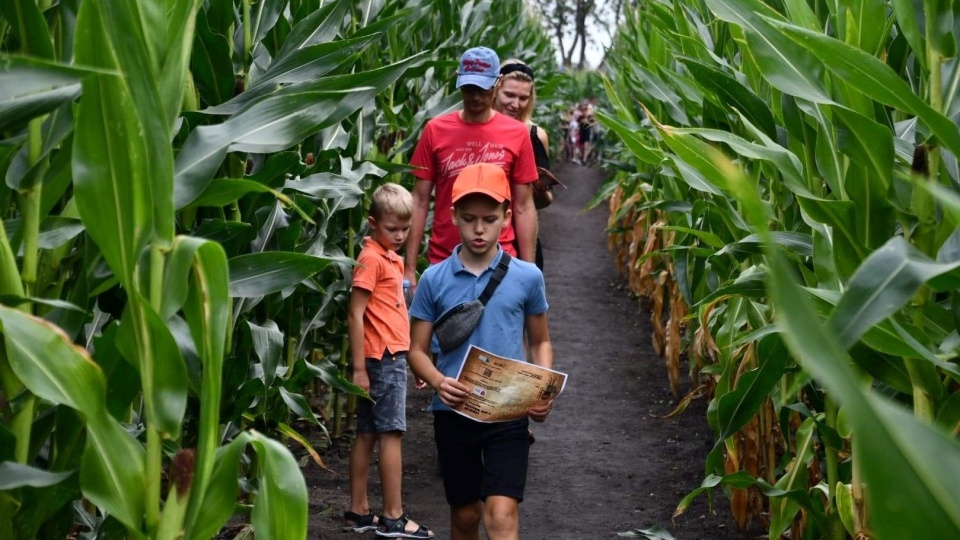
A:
605, 461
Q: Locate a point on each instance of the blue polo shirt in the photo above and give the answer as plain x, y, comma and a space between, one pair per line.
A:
448, 283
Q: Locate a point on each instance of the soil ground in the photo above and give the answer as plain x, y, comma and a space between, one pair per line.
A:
605, 461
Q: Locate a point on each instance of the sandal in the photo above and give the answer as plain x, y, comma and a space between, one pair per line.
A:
360, 523
397, 528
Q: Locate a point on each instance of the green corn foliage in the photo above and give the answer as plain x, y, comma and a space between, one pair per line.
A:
802, 156
181, 179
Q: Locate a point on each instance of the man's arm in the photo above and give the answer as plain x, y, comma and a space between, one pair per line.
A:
538, 338
358, 305
525, 221
541, 353
421, 205
450, 391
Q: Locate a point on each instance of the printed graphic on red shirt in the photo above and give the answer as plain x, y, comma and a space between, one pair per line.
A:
449, 144
474, 152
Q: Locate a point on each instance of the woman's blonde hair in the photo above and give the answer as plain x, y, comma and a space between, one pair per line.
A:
391, 200
522, 75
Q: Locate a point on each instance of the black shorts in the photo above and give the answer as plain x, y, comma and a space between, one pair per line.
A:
478, 460
586, 134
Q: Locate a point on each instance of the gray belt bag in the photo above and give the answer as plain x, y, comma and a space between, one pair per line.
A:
457, 323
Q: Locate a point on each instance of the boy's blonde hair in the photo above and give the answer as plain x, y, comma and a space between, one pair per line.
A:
391, 199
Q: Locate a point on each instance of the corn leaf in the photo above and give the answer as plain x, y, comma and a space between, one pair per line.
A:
280, 510
112, 164
30, 87
206, 308
146, 341
319, 27
17, 475
788, 68
29, 27
883, 284
56, 370
276, 123
874, 78
903, 459
731, 93
737, 407
301, 65
268, 346
630, 137
220, 492
259, 274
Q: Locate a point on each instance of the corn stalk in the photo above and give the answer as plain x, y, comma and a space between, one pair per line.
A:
777, 141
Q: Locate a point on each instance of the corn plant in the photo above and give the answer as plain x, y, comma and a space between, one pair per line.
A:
790, 209
182, 198
123, 324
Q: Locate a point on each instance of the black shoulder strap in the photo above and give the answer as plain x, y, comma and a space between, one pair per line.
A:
496, 278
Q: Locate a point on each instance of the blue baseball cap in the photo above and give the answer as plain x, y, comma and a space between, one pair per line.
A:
479, 66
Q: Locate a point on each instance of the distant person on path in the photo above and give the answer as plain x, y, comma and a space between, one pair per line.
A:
574, 130
516, 97
587, 121
475, 134
483, 465
379, 331
566, 152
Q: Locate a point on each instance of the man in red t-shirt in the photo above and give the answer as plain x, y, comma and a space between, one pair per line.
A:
475, 134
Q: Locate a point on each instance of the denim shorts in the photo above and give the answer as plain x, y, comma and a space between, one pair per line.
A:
388, 388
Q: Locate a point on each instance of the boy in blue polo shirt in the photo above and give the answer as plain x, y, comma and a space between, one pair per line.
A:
483, 465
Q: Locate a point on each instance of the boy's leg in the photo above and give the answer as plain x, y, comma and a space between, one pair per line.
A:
390, 420
461, 467
465, 521
360, 455
391, 477
391, 473
506, 449
501, 518
371, 420
359, 518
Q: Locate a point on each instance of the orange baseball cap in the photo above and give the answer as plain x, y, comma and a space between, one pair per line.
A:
483, 178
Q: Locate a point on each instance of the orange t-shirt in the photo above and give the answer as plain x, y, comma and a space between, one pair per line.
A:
386, 324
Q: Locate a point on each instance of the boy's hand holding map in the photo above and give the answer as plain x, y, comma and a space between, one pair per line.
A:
499, 389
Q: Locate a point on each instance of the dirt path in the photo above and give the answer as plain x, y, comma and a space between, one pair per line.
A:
604, 462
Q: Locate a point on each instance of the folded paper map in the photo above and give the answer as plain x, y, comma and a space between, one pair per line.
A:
503, 389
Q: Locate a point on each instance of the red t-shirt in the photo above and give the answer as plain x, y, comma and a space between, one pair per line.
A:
449, 144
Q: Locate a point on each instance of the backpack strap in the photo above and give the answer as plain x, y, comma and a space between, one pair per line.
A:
496, 278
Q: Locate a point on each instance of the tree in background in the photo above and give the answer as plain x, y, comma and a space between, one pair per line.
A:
570, 21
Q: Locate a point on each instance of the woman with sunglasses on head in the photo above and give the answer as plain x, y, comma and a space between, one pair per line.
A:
516, 97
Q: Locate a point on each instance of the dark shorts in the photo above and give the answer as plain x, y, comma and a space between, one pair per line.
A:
586, 134
478, 460
388, 388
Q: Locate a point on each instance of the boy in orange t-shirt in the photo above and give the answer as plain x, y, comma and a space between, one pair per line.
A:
379, 329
